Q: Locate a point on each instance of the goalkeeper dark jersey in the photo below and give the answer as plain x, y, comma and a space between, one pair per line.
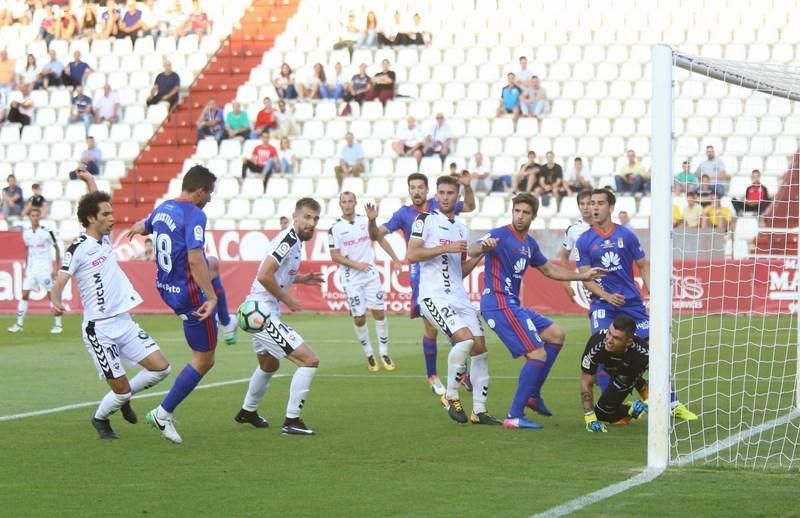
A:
633, 362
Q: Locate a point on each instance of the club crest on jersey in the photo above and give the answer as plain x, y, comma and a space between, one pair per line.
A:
282, 249
198, 233
620, 243
67, 260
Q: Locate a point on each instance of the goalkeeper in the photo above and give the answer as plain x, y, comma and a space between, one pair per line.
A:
626, 358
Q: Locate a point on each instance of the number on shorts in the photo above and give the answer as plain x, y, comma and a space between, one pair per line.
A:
531, 327
164, 252
355, 301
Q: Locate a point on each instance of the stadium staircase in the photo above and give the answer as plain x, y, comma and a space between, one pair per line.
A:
163, 156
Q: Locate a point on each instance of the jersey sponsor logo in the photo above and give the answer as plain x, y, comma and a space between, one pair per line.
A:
446, 273
519, 266
169, 288
610, 260
607, 244
198, 233
99, 260
99, 291
587, 362
283, 249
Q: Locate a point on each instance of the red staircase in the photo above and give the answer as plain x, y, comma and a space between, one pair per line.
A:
163, 156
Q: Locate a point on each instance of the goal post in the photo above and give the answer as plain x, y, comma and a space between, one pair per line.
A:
724, 298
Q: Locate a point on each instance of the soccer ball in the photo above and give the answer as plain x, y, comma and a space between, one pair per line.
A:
252, 316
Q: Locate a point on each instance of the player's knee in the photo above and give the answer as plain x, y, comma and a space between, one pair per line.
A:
310, 361
479, 346
162, 374
360, 321
540, 353
379, 315
554, 334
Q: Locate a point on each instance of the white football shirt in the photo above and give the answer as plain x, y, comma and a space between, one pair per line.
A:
40, 244
571, 236
104, 288
286, 249
353, 241
440, 277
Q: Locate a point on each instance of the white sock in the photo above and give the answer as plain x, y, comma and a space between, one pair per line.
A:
145, 379
301, 384
259, 383
382, 331
362, 333
456, 365
22, 308
480, 382
161, 413
111, 403
57, 321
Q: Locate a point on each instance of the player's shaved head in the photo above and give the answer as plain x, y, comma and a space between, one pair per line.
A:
625, 324
347, 202
347, 194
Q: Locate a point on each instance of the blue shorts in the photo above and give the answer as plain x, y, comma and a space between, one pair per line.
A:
201, 335
601, 317
518, 328
413, 279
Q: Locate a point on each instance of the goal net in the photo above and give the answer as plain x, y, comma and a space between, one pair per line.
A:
725, 208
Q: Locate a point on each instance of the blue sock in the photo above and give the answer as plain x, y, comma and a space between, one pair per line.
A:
530, 376
602, 377
184, 384
552, 354
429, 349
222, 301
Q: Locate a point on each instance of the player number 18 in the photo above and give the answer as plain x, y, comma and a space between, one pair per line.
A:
164, 252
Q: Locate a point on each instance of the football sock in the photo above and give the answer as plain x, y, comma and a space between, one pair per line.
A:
301, 384
184, 384
429, 350
602, 377
480, 382
362, 333
111, 403
57, 321
222, 301
145, 379
456, 362
552, 354
382, 331
529, 376
22, 308
259, 383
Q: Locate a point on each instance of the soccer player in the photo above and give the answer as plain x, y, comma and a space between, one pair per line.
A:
277, 272
110, 335
351, 247
616, 248
439, 244
228, 324
184, 283
509, 251
39, 268
403, 219
574, 231
626, 357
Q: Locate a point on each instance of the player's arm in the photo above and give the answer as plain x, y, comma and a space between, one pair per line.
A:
469, 194
644, 271
58, 254
482, 247
595, 289
199, 269
337, 257
375, 232
87, 178
587, 399
266, 276
58, 288
562, 274
469, 264
563, 260
417, 251
388, 249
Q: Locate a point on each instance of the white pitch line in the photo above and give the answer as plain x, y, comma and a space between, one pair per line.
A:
647, 475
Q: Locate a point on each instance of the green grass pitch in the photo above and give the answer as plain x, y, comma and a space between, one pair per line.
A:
385, 447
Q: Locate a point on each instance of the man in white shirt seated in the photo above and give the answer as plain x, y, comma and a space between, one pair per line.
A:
439, 138
578, 177
106, 106
411, 141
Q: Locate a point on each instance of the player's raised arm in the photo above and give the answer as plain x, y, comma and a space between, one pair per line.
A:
562, 274
87, 178
469, 194
266, 276
375, 232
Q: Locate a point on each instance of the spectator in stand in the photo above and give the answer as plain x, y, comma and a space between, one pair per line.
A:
411, 141
284, 83
153, 19
28, 74
198, 22
37, 201
109, 20
76, 71
264, 160
283, 222
705, 191
175, 20
237, 123
533, 101
7, 71
12, 12
383, 84
693, 212
48, 27
676, 216
356, 90
630, 179
211, 122
625, 219
351, 159
66, 24
3, 100
90, 159
81, 110
265, 118
107, 106
685, 180
89, 26
717, 217
523, 76
349, 34
550, 181
715, 168
310, 90
20, 106
149, 252
481, 179
578, 177
12, 198
509, 98
756, 197
526, 176
287, 157
439, 138
50, 73
285, 117
333, 88
166, 87
388, 33
369, 37
418, 33
131, 24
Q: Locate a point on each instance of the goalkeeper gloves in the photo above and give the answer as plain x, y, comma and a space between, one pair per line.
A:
592, 424
637, 408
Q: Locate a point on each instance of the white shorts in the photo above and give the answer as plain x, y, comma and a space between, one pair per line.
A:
365, 297
115, 340
449, 316
277, 339
38, 279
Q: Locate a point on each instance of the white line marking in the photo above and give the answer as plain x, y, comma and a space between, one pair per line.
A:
647, 475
